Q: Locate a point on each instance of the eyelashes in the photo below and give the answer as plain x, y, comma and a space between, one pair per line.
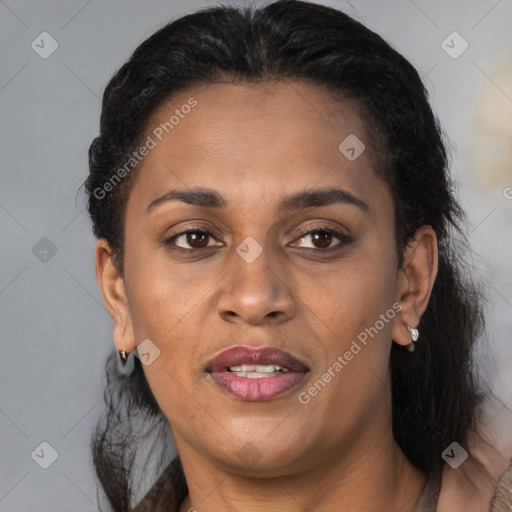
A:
325, 230
188, 235
195, 240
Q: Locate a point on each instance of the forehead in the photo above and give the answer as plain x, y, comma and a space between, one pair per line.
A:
264, 139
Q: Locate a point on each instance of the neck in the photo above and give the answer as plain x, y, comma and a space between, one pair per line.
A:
374, 475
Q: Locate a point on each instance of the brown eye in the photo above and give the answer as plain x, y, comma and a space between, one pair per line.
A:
190, 240
321, 239
197, 239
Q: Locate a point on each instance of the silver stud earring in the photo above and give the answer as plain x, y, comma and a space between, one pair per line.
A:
415, 334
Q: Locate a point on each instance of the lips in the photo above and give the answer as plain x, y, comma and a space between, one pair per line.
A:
291, 373
238, 356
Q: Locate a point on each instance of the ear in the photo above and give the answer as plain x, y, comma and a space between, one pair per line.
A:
415, 282
112, 288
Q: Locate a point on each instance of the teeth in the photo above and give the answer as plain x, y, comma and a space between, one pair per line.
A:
256, 371
255, 375
256, 368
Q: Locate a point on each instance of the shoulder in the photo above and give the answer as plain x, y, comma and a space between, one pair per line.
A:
483, 482
502, 500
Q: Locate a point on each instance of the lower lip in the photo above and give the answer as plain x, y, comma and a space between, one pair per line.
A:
257, 390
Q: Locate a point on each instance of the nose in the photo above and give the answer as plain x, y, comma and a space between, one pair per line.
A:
256, 292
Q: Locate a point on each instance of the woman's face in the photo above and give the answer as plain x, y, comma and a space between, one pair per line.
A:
273, 261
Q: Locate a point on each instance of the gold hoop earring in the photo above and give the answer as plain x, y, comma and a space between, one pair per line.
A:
122, 356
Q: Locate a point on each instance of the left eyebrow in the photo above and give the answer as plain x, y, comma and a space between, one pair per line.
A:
320, 197
208, 198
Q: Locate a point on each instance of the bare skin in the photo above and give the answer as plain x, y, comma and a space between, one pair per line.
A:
472, 485
254, 145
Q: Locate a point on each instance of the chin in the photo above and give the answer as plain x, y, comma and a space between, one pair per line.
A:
251, 462
264, 456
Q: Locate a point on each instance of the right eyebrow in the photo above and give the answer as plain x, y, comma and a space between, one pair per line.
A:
198, 196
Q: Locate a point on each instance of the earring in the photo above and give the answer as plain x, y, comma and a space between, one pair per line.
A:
122, 357
415, 334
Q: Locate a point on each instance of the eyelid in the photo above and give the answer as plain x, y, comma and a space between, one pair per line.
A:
312, 228
315, 228
190, 229
303, 231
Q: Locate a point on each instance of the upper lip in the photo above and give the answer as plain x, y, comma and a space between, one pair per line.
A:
239, 355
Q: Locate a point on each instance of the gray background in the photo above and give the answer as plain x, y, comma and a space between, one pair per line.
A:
55, 329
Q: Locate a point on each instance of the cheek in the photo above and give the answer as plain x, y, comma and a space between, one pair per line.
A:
361, 290
357, 306
353, 372
163, 293
167, 316
164, 310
